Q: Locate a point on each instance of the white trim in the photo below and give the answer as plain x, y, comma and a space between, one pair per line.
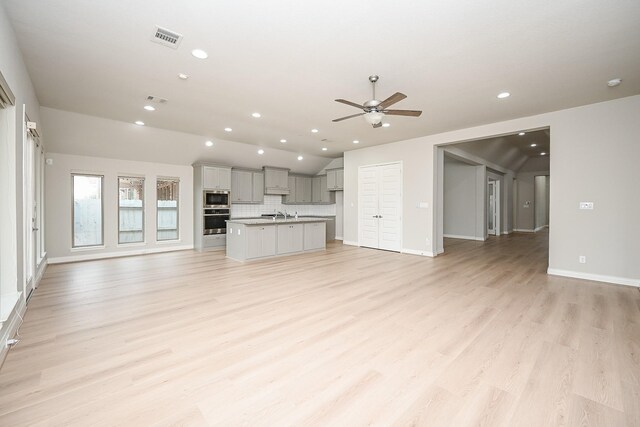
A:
595, 277
415, 252
339, 238
350, 243
523, 230
539, 228
8, 329
75, 258
456, 236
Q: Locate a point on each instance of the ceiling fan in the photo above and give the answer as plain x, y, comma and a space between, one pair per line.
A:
374, 110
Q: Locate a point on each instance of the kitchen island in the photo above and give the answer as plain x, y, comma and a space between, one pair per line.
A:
254, 238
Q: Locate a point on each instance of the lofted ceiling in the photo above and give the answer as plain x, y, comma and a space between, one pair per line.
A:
509, 151
289, 60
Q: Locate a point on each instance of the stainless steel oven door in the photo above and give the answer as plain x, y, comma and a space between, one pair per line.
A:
215, 223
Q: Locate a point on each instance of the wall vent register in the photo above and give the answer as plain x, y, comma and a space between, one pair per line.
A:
166, 37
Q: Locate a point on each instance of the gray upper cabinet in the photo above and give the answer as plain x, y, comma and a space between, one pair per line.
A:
257, 194
276, 180
326, 196
316, 185
247, 186
216, 178
291, 197
303, 189
335, 179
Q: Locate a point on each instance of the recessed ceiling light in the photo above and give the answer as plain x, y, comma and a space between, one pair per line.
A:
199, 53
150, 108
228, 129
534, 145
139, 122
300, 157
209, 143
386, 125
614, 82
355, 141
283, 140
314, 130
543, 154
521, 133
261, 151
183, 76
256, 115
324, 148
503, 95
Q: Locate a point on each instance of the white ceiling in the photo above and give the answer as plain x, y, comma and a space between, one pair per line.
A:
289, 60
509, 151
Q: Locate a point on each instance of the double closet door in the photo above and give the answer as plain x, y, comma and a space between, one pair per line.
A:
380, 200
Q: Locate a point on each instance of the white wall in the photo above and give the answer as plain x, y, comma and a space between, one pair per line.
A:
59, 205
460, 204
594, 156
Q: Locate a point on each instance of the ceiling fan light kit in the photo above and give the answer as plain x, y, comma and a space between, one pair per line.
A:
375, 110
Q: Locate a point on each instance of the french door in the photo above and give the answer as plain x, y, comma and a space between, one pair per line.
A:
380, 201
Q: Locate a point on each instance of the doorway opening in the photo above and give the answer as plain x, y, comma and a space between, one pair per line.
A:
491, 188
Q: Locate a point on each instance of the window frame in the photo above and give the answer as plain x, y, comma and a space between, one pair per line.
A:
177, 181
143, 200
73, 210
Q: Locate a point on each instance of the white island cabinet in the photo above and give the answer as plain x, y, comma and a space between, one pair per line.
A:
249, 239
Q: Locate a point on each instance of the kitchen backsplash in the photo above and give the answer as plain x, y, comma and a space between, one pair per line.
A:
274, 204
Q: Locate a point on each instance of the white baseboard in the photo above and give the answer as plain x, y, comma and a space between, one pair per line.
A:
595, 277
539, 228
10, 327
415, 252
350, 243
339, 238
523, 230
456, 236
102, 255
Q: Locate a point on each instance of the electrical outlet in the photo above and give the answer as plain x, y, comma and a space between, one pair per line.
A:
582, 259
586, 206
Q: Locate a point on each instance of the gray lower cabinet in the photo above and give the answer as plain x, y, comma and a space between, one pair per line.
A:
290, 238
314, 236
261, 241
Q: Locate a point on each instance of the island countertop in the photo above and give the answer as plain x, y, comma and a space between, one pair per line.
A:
267, 221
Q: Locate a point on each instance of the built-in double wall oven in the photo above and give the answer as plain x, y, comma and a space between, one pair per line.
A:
216, 212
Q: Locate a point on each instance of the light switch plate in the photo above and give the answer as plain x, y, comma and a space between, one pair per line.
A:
586, 205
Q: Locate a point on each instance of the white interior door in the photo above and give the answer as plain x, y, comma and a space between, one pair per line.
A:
390, 206
369, 201
380, 189
29, 213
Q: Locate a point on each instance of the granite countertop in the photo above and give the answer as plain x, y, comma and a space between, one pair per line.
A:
266, 221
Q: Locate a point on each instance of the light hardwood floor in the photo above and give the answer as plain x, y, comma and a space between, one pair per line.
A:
478, 336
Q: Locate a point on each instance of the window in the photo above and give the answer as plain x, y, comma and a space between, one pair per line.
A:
167, 191
87, 210
130, 210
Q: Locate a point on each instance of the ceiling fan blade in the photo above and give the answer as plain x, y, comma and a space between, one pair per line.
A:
396, 97
377, 125
412, 113
353, 104
347, 117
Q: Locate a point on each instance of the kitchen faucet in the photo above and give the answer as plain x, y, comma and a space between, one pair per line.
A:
283, 214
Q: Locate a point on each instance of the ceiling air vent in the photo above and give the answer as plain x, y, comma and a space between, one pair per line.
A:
166, 37
157, 99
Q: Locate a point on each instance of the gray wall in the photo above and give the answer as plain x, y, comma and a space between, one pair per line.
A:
599, 137
460, 204
541, 201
